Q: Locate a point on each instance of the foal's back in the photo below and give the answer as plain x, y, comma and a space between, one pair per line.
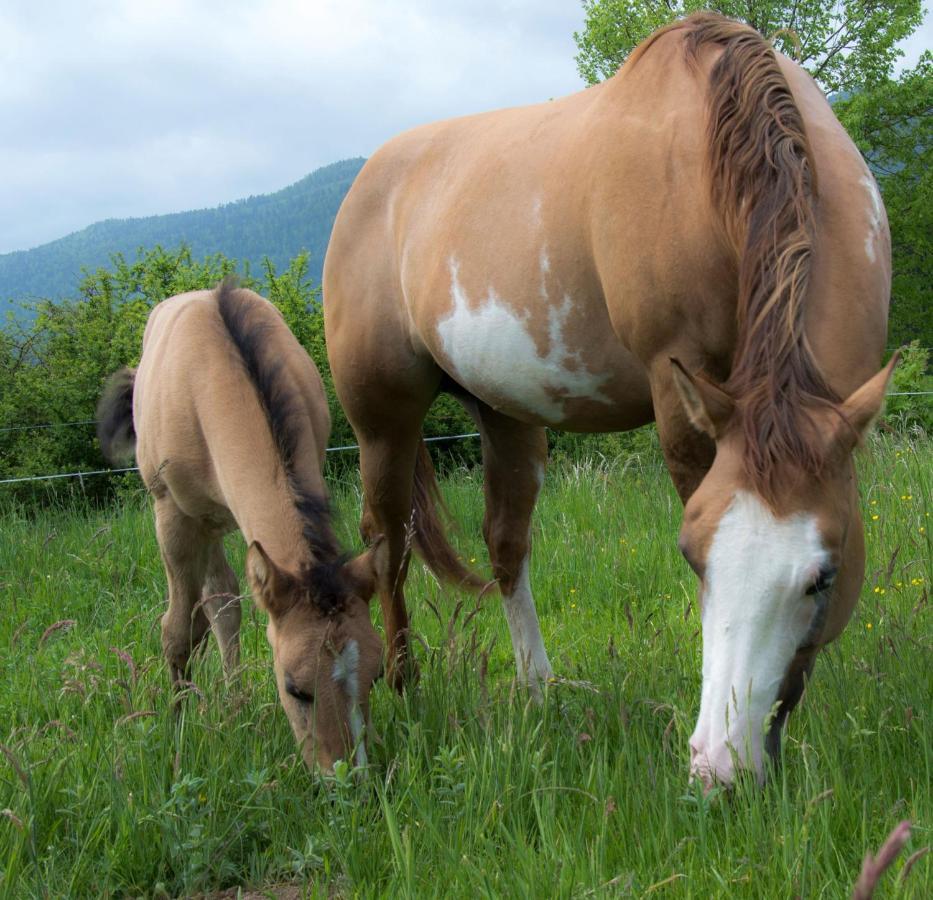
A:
202, 435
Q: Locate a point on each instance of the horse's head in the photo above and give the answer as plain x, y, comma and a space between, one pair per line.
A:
780, 571
325, 651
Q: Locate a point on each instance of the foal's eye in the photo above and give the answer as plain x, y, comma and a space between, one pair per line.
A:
293, 690
824, 581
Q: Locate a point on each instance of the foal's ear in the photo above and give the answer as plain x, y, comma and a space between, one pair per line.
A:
272, 587
708, 407
864, 406
361, 571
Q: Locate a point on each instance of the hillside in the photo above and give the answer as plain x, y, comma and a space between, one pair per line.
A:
277, 225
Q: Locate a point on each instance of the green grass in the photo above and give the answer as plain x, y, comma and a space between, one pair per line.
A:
474, 791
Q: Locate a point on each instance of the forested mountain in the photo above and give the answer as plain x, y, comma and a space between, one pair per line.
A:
278, 225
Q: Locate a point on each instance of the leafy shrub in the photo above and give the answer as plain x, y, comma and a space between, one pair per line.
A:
53, 364
912, 380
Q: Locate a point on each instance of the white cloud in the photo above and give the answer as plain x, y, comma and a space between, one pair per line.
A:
133, 107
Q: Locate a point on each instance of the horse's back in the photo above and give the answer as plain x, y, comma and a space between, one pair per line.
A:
200, 424
488, 212
550, 258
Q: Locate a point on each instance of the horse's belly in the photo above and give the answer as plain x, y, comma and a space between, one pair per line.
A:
546, 367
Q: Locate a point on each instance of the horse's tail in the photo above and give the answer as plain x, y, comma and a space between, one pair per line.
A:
763, 182
115, 429
428, 530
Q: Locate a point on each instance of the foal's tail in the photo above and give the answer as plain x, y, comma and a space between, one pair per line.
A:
115, 429
429, 537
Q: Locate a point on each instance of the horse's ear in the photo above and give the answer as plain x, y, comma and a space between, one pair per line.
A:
361, 571
708, 406
272, 587
863, 406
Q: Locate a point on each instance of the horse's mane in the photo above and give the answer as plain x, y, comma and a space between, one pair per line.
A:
323, 578
763, 183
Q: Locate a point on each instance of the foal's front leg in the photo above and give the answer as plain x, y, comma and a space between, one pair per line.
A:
221, 603
184, 554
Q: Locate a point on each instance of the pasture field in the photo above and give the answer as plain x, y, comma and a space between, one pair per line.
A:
473, 790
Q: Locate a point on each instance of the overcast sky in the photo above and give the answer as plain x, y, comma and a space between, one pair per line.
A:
116, 108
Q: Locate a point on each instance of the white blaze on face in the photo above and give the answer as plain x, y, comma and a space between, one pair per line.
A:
875, 215
495, 357
346, 674
755, 615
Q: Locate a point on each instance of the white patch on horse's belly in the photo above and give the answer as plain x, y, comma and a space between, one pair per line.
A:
495, 357
875, 214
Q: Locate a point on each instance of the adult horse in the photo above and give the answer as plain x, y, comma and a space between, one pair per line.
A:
228, 419
579, 264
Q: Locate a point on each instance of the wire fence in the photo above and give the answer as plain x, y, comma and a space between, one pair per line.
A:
47, 425
442, 437
346, 447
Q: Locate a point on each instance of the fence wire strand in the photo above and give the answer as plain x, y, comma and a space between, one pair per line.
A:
441, 437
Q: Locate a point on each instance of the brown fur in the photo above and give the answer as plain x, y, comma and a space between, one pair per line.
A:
231, 422
323, 575
763, 181
546, 263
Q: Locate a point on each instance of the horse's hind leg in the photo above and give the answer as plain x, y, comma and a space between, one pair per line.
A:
184, 548
221, 603
514, 456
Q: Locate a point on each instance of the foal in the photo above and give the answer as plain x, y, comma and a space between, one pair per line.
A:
228, 419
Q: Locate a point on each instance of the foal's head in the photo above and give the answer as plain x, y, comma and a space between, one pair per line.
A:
780, 564
325, 651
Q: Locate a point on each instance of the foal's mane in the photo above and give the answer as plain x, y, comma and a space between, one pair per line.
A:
763, 182
324, 577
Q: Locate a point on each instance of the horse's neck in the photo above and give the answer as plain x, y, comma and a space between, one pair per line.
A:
265, 512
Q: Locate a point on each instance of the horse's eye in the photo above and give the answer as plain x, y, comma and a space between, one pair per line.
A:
293, 690
824, 581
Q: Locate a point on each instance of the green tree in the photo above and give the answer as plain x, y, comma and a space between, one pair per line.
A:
844, 45
53, 364
892, 124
